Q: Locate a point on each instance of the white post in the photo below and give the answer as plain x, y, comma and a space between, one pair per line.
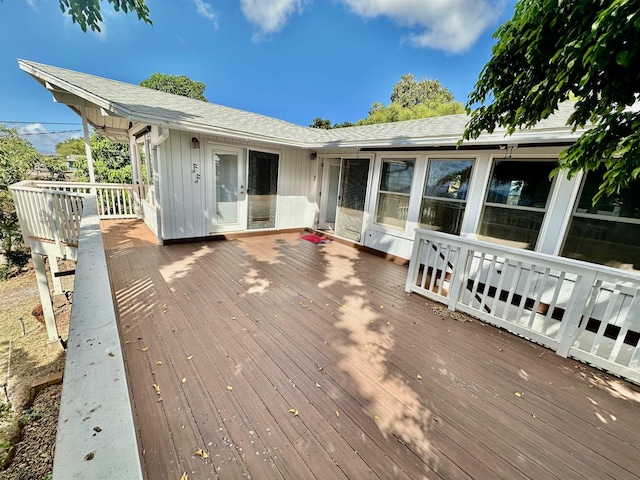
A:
135, 163
57, 283
87, 145
45, 298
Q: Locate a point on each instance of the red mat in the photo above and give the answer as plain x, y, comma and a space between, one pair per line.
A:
314, 238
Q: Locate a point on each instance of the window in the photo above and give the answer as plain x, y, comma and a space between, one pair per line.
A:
445, 195
262, 189
516, 202
394, 192
609, 232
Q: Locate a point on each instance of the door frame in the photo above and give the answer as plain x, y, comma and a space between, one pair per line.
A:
322, 213
212, 227
324, 189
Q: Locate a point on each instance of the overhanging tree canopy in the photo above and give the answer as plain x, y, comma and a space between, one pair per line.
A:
178, 84
554, 49
86, 13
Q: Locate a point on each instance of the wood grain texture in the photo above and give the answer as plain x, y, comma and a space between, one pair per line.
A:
386, 385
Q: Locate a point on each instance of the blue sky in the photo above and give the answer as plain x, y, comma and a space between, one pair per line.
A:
290, 59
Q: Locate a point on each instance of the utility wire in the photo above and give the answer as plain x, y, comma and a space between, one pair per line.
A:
49, 133
42, 123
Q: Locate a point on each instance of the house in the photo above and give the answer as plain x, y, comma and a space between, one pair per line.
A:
217, 169
485, 229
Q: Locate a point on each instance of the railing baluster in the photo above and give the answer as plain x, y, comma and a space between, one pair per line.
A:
611, 304
503, 274
487, 284
434, 272
632, 306
538, 297
552, 305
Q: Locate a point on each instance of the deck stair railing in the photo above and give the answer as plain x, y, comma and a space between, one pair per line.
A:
578, 309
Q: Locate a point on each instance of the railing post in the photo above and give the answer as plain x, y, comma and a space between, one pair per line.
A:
414, 262
457, 276
45, 298
571, 321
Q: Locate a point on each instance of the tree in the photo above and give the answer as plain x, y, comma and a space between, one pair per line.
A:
71, 146
554, 49
409, 93
17, 158
86, 13
410, 99
178, 84
111, 161
321, 123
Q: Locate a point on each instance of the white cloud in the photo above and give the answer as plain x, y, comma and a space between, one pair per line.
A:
270, 15
449, 25
205, 10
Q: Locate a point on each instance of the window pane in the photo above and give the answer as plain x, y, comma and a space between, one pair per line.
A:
392, 209
518, 228
616, 244
397, 175
520, 183
448, 178
624, 204
611, 239
226, 188
441, 215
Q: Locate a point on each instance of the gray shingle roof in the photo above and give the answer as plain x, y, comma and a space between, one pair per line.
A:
165, 109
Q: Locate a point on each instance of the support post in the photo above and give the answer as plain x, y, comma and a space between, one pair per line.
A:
87, 144
57, 281
45, 298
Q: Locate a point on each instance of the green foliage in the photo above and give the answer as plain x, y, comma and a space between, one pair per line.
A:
409, 93
17, 158
554, 50
410, 100
111, 161
321, 123
86, 13
71, 146
56, 167
178, 84
395, 112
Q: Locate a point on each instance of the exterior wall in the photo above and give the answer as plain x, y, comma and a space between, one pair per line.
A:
399, 242
183, 186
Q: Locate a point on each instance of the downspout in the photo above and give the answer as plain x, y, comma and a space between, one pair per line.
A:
164, 135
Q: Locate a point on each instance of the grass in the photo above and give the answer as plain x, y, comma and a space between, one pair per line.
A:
24, 358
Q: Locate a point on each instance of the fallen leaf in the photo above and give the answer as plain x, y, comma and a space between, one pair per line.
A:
184, 380
158, 362
189, 357
518, 394
294, 411
185, 476
337, 413
127, 342
157, 387
318, 385
419, 377
201, 453
229, 387
144, 349
381, 306
366, 347
376, 418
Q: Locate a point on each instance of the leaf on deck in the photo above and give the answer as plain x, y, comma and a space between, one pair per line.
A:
144, 349
189, 357
158, 362
201, 453
294, 411
229, 387
157, 388
184, 476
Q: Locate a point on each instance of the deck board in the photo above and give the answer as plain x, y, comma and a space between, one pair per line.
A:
274, 316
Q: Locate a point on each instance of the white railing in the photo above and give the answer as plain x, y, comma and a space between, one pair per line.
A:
89, 367
51, 211
49, 215
115, 200
578, 309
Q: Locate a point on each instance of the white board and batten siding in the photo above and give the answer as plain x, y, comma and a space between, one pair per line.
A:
181, 169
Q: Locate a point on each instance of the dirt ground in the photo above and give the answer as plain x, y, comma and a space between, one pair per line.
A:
25, 357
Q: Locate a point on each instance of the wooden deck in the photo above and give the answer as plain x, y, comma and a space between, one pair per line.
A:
384, 385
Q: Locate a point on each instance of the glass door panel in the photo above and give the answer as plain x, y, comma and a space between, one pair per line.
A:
226, 168
262, 189
352, 198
